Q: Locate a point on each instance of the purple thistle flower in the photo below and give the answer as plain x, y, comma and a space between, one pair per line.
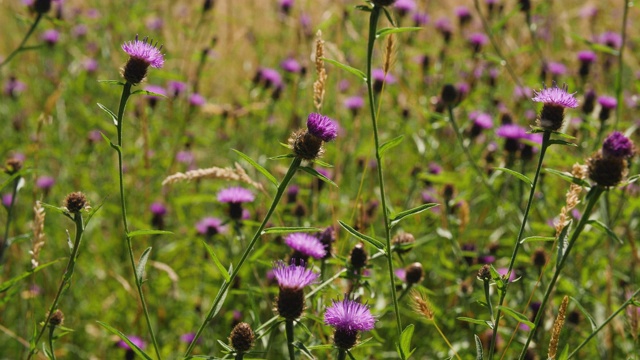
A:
503, 272
90, 65
586, 56
176, 88
196, 99
322, 127
13, 87
145, 52
45, 182
79, 30
512, 132
155, 89
6, 200
555, 100
443, 25
291, 65
556, 68
354, 103
51, 37
235, 195
210, 226
555, 96
158, 208
285, 6
462, 12
154, 23
608, 102
293, 277
405, 6
137, 341
349, 315
477, 41
421, 19
270, 78
305, 245
378, 75
611, 39
188, 338
617, 145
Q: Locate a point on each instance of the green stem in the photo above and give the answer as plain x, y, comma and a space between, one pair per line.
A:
66, 280
487, 296
593, 196
342, 354
623, 33
604, 324
289, 329
126, 92
24, 40
545, 144
373, 23
219, 300
239, 356
5, 239
52, 329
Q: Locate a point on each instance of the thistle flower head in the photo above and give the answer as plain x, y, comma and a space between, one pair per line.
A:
348, 318
306, 245
294, 277
210, 226
617, 145
322, 127
142, 54
555, 100
235, 194
242, 337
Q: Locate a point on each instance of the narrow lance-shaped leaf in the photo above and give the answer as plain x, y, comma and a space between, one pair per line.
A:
520, 176
111, 113
476, 321
537, 238
286, 230
347, 68
405, 340
124, 338
368, 239
9, 283
568, 177
387, 31
258, 167
516, 315
216, 261
585, 313
148, 232
142, 264
390, 144
562, 242
411, 212
600, 225
479, 351
315, 173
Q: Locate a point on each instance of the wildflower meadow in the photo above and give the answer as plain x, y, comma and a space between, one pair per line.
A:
329, 179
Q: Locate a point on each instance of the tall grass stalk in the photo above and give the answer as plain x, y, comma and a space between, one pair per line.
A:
21, 47
7, 227
373, 24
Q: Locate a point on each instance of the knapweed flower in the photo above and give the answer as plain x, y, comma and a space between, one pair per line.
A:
155, 89
197, 100
358, 256
586, 58
75, 202
135, 340
45, 183
556, 68
268, 78
611, 39
477, 41
354, 104
607, 103
420, 18
176, 88
51, 37
305, 245
158, 211
242, 338
589, 102
235, 197
481, 121
142, 54
285, 6
608, 166
14, 87
348, 318
443, 25
405, 6
512, 134
292, 280
380, 78
307, 144
210, 226
554, 100
327, 237
291, 65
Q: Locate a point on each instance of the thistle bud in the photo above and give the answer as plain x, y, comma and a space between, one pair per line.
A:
242, 337
75, 202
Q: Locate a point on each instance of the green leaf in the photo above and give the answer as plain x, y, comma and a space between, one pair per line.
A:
9, 283
287, 230
224, 272
633, 178
364, 8
564, 355
347, 68
148, 232
142, 264
516, 315
315, 173
223, 296
568, 177
405, 341
57, 209
114, 146
390, 144
124, 338
225, 346
94, 210
561, 142
303, 349
112, 82
284, 156
525, 179
12, 178
585, 313
603, 48
378, 244
258, 167
537, 238
399, 216
394, 30
479, 350
600, 225
562, 242
147, 92
388, 16
321, 347
476, 321
322, 163
111, 113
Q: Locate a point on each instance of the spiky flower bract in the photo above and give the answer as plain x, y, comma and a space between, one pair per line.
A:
292, 279
348, 318
306, 245
555, 100
608, 166
142, 54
